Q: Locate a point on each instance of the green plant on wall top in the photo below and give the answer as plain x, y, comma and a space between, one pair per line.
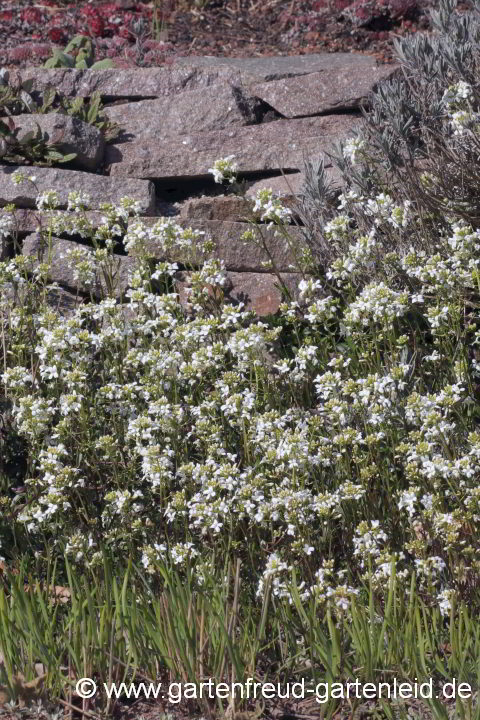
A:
17, 97
32, 147
79, 54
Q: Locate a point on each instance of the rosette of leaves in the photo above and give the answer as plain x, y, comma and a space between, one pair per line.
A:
78, 54
32, 147
90, 111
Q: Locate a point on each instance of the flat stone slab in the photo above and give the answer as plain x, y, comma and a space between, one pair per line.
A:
222, 207
229, 246
278, 145
278, 66
324, 91
70, 134
100, 188
187, 73
62, 270
257, 291
204, 110
131, 83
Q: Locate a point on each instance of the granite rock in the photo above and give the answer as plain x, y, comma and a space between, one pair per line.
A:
237, 254
221, 207
130, 83
278, 66
100, 188
69, 134
204, 110
279, 145
324, 91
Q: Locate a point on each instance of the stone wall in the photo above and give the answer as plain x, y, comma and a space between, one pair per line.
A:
175, 122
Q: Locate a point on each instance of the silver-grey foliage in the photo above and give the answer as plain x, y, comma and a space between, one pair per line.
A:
413, 149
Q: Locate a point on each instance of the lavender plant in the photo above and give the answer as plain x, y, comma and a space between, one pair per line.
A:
420, 137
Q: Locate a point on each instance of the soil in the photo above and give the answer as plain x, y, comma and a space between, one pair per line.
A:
135, 33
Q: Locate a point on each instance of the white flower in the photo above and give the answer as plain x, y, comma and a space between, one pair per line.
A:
337, 228
47, 200
408, 498
352, 149
457, 93
78, 201
271, 208
444, 600
462, 120
224, 170
7, 224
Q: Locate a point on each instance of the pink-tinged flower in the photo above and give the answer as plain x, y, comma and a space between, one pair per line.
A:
6, 16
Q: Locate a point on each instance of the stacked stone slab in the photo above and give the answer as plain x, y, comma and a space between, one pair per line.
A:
174, 122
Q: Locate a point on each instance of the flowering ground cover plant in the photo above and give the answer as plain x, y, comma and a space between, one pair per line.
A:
224, 496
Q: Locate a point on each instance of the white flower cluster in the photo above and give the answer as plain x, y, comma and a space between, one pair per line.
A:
224, 170
174, 436
7, 224
353, 148
458, 99
271, 208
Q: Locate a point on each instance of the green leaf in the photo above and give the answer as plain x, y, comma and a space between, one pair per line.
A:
102, 64
93, 108
27, 85
4, 128
76, 106
79, 41
60, 59
48, 98
28, 101
27, 138
59, 157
